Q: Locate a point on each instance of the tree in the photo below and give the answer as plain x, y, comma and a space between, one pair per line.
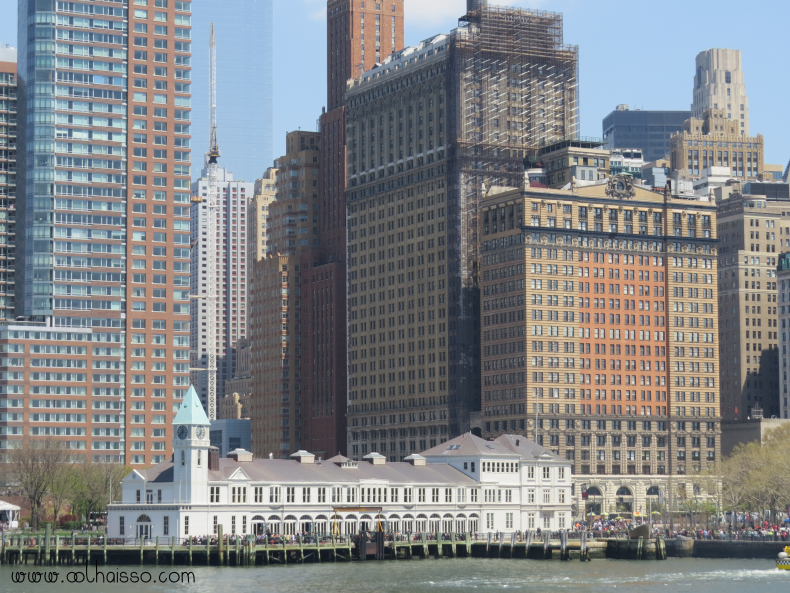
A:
35, 465
95, 483
756, 477
63, 488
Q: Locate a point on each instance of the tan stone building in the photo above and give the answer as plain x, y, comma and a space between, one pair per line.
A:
276, 299
583, 160
753, 232
719, 84
234, 406
236, 402
257, 213
715, 141
429, 131
598, 333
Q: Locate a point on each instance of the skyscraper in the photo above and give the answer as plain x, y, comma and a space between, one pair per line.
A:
257, 213
749, 374
231, 262
359, 35
649, 130
719, 84
280, 386
244, 36
8, 144
599, 313
430, 131
105, 188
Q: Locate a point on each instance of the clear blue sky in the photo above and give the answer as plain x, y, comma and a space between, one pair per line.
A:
631, 52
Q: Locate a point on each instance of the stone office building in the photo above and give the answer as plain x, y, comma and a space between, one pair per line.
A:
429, 131
599, 314
754, 231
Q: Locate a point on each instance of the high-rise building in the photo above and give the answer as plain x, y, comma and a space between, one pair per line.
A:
245, 59
599, 316
783, 285
749, 334
238, 390
430, 131
650, 131
715, 141
104, 351
8, 144
257, 212
350, 24
231, 268
719, 84
277, 310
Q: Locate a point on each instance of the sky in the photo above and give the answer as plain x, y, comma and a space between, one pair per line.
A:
637, 53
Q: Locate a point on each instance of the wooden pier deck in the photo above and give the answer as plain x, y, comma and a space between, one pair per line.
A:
51, 549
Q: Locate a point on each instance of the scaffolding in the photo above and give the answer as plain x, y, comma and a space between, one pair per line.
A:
517, 86
512, 88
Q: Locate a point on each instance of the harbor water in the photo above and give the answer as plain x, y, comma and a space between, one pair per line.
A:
417, 576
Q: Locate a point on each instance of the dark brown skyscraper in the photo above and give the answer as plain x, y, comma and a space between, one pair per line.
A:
359, 35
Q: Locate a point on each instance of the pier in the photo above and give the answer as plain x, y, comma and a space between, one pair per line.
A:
247, 550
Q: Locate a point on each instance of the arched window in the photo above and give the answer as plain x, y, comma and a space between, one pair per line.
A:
624, 491
183, 459
200, 457
653, 491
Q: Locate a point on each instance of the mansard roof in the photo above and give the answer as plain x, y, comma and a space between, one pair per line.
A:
286, 471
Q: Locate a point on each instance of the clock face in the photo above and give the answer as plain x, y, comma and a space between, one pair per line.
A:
200, 432
183, 432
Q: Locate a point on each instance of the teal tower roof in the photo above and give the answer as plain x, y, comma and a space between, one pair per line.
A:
191, 410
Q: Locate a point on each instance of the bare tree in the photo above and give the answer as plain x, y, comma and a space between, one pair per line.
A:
96, 483
34, 466
63, 488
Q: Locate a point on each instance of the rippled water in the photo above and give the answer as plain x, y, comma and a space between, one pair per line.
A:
448, 576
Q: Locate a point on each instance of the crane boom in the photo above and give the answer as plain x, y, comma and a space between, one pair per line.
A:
212, 213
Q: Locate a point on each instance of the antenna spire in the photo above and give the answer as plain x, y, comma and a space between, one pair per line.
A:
213, 151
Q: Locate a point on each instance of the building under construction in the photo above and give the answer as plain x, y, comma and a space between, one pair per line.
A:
430, 132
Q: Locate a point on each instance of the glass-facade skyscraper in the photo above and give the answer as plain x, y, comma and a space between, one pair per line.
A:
243, 30
101, 340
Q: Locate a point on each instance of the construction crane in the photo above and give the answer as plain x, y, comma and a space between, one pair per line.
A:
212, 214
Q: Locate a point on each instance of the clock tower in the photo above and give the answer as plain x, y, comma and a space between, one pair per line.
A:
190, 451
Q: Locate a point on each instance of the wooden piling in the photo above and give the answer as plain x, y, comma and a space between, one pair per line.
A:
156, 553
221, 545
190, 551
47, 537
208, 550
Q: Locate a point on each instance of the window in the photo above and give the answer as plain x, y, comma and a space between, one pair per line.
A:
166, 525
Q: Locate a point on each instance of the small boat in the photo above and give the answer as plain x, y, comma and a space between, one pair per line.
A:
783, 560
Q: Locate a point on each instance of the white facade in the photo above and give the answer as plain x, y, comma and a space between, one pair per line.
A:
719, 84
466, 484
231, 259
